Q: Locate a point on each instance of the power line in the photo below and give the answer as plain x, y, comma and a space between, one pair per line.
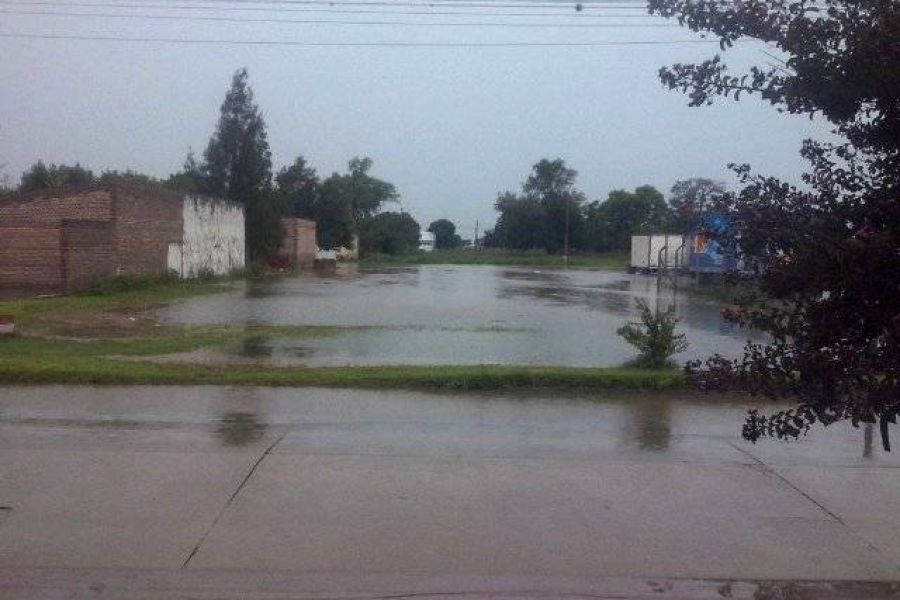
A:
334, 21
572, 15
158, 40
586, 5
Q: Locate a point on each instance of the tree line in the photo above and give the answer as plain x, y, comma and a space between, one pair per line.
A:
237, 165
550, 213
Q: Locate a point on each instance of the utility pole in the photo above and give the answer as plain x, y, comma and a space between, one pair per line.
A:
476, 233
566, 237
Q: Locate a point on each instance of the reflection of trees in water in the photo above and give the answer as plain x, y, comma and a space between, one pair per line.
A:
651, 424
867, 441
254, 346
240, 428
603, 300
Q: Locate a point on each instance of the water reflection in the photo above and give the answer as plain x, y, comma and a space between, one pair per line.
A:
442, 314
240, 428
651, 423
265, 347
254, 346
868, 434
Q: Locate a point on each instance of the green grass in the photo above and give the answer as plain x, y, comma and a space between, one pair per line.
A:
140, 297
105, 371
489, 256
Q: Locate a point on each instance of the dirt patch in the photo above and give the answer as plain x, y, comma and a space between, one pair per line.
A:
96, 323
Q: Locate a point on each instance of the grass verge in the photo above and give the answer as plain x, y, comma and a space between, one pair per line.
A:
105, 371
27, 311
488, 256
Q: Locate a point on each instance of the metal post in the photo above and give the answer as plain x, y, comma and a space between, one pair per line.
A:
566, 237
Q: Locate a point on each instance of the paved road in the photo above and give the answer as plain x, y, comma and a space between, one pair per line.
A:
234, 492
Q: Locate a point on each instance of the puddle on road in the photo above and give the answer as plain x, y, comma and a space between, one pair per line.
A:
240, 428
438, 314
535, 424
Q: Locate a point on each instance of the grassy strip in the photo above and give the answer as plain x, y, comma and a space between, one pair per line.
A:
28, 309
486, 256
105, 371
170, 340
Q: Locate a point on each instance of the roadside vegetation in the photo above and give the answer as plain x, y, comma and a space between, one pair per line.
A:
497, 256
654, 336
75, 363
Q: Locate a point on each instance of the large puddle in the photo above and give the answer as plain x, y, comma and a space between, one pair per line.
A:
457, 315
674, 426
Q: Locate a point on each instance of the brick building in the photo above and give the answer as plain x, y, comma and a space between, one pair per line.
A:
60, 239
299, 244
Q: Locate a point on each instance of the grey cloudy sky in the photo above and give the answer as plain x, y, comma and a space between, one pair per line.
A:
449, 126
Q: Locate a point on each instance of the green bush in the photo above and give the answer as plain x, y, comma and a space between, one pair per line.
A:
654, 336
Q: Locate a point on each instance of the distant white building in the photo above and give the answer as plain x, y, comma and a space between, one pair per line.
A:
426, 241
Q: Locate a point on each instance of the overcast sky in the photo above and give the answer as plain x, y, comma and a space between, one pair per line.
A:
450, 126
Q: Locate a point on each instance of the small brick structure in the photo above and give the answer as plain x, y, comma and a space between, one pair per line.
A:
58, 240
299, 245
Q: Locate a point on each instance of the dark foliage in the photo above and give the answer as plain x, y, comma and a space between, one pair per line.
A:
238, 165
824, 258
548, 214
190, 178
611, 224
41, 176
445, 236
298, 189
343, 202
692, 199
389, 233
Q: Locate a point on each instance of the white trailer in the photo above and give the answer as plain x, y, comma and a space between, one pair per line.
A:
658, 251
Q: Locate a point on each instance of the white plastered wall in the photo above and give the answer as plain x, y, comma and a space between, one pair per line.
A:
212, 237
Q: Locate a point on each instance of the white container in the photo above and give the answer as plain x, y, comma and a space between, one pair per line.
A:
657, 251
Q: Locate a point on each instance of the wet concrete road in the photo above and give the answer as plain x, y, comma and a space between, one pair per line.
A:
213, 492
440, 314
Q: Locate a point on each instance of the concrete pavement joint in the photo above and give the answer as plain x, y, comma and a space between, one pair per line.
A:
231, 498
769, 470
821, 506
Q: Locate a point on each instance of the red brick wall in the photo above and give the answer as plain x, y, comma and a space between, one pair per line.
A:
52, 206
299, 245
87, 252
30, 258
67, 236
147, 220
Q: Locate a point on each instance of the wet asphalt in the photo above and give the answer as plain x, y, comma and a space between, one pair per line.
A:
211, 492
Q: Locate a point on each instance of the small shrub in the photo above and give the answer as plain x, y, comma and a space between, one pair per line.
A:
654, 336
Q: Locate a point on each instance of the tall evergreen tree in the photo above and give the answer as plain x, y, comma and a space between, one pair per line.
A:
238, 166
238, 161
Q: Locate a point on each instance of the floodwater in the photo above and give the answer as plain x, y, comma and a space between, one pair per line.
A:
438, 314
583, 424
